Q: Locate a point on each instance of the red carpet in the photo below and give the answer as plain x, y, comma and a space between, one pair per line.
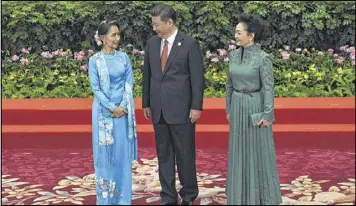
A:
47, 157
59, 175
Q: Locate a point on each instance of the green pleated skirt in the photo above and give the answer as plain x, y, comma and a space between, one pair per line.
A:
252, 177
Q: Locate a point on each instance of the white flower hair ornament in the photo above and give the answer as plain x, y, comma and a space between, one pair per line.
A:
97, 38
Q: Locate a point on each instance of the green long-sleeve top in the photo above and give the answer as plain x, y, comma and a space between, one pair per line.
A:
251, 69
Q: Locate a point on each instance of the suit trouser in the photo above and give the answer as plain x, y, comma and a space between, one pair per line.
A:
176, 142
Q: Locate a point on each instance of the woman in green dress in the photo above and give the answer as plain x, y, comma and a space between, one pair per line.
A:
252, 177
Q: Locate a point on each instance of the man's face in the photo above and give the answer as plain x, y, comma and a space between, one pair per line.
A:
162, 28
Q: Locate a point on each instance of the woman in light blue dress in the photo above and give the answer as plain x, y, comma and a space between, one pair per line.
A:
113, 118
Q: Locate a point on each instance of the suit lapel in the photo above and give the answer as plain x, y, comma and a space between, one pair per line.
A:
173, 52
157, 52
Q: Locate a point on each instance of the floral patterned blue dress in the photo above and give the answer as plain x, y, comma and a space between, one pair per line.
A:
114, 139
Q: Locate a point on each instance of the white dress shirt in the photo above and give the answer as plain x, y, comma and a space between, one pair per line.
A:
170, 40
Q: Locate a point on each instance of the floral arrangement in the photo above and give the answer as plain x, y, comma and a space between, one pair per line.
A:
299, 73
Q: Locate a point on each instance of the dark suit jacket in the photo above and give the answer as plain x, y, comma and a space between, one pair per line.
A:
180, 87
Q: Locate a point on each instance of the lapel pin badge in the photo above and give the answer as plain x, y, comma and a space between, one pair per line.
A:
179, 43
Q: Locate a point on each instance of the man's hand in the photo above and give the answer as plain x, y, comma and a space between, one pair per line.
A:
194, 115
147, 113
228, 117
118, 112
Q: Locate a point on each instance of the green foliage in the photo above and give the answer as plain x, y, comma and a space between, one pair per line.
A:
54, 25
47, 25
44, 78
304, 74
210, 24
315, 82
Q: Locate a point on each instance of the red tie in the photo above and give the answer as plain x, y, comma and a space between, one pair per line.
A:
164, 55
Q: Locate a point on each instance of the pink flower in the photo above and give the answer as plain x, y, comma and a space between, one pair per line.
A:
142, 52
90, 52
134, 52
215, 59
56, 53
343, 48
84, 68
222, 52
350, 50
24, 61
335, 55
352, 57
208, 54
97, 39
339, 60
59, 53
82, 53
79, 57
45, 54
226, 59
25, 51
331, 51
63, 54
232, 47
285, 55
15, 58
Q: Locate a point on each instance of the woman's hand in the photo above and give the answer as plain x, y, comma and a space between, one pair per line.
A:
228, 117
264, 123
118, 112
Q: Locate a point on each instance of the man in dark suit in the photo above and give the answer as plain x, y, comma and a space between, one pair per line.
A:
173, 87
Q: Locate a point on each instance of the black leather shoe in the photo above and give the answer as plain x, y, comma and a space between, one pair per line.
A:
186, 203
169, 203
